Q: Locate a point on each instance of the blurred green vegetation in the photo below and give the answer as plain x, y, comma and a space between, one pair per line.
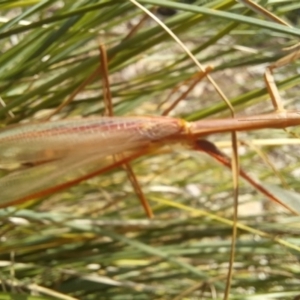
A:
93, 241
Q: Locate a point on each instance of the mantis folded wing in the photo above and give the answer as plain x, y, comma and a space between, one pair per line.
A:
62, 151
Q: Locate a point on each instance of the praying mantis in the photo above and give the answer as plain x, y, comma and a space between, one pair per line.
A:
68, 148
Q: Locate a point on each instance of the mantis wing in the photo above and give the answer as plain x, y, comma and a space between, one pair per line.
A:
42, 142
30, 183
65, 150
